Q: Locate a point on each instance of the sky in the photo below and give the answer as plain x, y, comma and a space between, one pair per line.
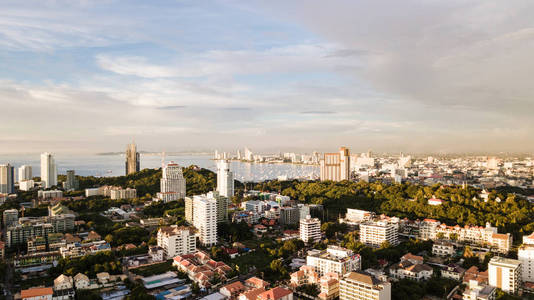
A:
414, 76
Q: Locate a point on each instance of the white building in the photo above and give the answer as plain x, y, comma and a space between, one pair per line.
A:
336, 166
205, 219
356, 216
363, 286
50, 194
26, 185
334, 259
374, 234
225, 179
120, 193
48, 170
310, 229
525, 254
443, 248
172, 185
504, 273
478, 291
176, 240
25, 173
7, 179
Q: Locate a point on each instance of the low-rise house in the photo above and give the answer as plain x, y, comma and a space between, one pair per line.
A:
255, 282
200, 268
277, 293
232, 290
329, 286
474, 274
81, 281
411, 267
479, 291
103, 277
37, 294
251, 294
453, 272
443, 248
156, 253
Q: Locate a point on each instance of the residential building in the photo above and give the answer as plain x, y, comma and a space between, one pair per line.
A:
329, 286
7, 179
81, 281
357, 216
504, 273
233, 290
277, 293
411, 267
25, 173
50, 194
525, 254
10, 217
188, 204
289, 215
376, 233
363, 286
336, 166
443, 248
334, 259
132, 159
176, 240
479, 291
48, 170
452, 271
63, 288
120, 193
72, 182
19, 234
172, 185
26, 185
205, 212
225, 179
37, 294
200, 268
310, 229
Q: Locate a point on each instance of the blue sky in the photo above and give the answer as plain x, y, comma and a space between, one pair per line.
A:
292, 75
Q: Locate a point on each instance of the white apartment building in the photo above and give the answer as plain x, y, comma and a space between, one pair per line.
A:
334, 259
363, 286
336, 166
504, 273
119, 193
310, 229
478, 291
205, 219
225, 179
48, 170
172, 185
50, 194
26, 185
374, 234
443, 248
25, 173
356, 216
525, 254
7, 179
177, 240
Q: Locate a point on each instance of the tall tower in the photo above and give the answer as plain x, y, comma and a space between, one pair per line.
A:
48, 170
225, 179
172, 185
132, 159
25, 173
7, 179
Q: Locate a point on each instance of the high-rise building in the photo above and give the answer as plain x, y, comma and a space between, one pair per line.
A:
310, 229
363, 286
10, 217
172, 185
504, 273
525, 254
225, 179
132, 159
25, 173
177, 240
374, 234
189, 210
289, 215
48, 170
7, 179
72, 181
221, 205
205, 219
336, 166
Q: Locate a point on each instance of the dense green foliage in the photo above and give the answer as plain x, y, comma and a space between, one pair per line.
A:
154, 269
309, 289
124, 235
90, 265
408, 289
409, 200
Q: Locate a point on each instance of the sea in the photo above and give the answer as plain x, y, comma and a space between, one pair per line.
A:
114, 165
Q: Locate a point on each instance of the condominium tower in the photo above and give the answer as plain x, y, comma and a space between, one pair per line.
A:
205, 219
225, 179
25, 173
310, 229
336, 166
7, 179
177, 240
363, 286
172, 185
48, 170
132, 159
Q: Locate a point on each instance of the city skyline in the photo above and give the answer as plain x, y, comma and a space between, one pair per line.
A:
415, 77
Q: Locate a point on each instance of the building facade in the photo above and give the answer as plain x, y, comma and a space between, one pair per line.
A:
334, 259
504, 273
363, 286
336, 166
374, 234
132, 159
310, 229
172, 185
225, 179
48, 170
7, 179
177, 240
205, 219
